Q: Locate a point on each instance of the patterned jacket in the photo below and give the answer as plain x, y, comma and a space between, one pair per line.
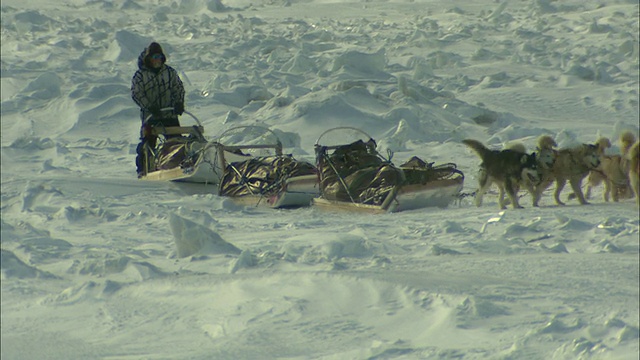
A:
160, 88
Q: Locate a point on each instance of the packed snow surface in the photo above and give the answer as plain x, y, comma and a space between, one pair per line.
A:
99, 265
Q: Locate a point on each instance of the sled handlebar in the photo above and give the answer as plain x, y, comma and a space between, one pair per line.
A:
171, 109
342, 129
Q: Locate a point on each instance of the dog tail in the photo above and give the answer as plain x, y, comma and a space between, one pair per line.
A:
626, 141
477, 146
546, 142
602, 144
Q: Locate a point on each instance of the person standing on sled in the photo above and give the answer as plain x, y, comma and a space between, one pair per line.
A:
155, 86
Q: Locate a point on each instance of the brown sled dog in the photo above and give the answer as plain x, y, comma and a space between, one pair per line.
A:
613, 170
572, 164
505, 168
634, 169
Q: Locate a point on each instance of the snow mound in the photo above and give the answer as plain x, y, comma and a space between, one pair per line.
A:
13, 267
191, 238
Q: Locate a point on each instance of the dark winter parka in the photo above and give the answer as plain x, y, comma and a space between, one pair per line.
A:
153, 88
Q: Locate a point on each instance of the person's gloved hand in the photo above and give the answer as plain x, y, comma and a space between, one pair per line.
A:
179, 108
155, 111
146, 131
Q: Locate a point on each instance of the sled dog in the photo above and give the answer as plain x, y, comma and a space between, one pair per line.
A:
572, 164
613, 170
545, 156
597, 176
634, 169
506, 168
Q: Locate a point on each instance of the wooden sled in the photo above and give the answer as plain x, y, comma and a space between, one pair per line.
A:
182, 154
355, 177
273, 179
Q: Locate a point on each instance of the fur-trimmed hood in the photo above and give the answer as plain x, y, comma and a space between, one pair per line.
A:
144, 57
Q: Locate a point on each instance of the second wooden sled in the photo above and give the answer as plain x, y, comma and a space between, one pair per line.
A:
273, 179
355, 177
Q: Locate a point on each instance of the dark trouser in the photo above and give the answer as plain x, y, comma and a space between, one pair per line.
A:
147, 139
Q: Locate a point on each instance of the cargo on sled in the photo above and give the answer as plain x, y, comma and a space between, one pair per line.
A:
269, 178
354, 176
230, 164
180, 153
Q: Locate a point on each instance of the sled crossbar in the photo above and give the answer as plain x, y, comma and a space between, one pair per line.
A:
177, 130
332, 147
231, 148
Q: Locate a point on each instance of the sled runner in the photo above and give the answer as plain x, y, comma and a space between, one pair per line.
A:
354, 176
231, 164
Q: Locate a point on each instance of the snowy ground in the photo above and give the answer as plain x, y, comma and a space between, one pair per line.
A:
90, 266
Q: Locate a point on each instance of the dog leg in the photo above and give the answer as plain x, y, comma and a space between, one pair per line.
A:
535, 196
607, 191
540, 188
576, 186
559, 186
595, 178
480, 193
613, 189
484, 185
501, 197
513, 194
635, 186
532, 191
478, 198
514, 201
587, 193
632, 187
